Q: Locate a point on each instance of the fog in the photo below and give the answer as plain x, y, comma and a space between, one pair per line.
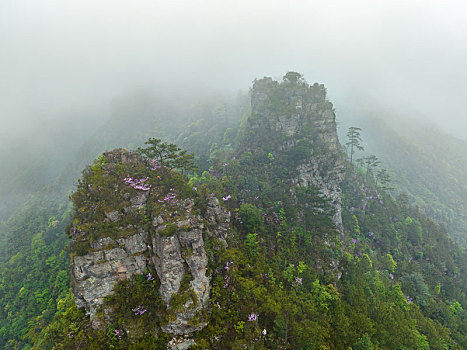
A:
70, 60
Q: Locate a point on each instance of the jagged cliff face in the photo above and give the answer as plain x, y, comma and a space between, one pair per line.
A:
148, 223
294, 119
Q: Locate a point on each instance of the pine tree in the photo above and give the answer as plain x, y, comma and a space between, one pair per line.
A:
371, 162
354, 142
384, 179
168, 155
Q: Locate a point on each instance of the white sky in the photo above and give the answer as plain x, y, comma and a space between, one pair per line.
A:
60, 57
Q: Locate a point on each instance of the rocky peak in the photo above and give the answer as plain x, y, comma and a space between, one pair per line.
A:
132, 219
295, 119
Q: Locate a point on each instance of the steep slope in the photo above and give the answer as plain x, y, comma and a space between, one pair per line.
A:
134, 217
294, 124
426, 164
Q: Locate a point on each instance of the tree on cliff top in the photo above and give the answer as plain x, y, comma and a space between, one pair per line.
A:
293, 78
168, 155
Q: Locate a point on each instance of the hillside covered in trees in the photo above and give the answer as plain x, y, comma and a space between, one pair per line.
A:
427, 166
303, 248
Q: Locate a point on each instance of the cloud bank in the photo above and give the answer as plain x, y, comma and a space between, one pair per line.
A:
71, 59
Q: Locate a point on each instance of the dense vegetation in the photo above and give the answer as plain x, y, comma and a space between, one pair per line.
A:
35, 266
402, 284
289, 279
426, 164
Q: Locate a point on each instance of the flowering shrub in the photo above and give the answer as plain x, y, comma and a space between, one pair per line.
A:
171, 198
138, 184
119, 333
252, 317
139, 310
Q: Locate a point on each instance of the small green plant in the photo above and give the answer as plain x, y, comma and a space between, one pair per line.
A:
169, 230
239, 326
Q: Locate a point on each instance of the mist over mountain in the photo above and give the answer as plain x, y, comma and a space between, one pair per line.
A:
424, 162
279, 139
238, 174
66, 57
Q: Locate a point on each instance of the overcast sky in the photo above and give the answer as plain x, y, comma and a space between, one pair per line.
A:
61, 58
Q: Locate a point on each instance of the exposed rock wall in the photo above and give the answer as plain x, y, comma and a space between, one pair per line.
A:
296, 112
173, 257
171, 244
94, 275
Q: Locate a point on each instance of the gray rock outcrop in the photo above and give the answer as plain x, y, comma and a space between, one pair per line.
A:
95, 274
172, 244
300, 115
